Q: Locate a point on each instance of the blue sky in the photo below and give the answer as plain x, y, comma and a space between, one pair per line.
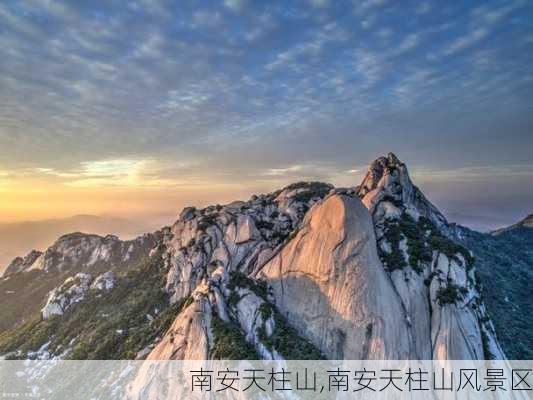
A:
241, 95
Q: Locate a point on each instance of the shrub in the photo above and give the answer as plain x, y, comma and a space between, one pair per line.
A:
450, 294
394, 259
285, 339
238, 279
229, 342
312, 189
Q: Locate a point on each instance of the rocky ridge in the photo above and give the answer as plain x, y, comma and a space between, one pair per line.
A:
309, 271
20, 264
80, 250
432, 275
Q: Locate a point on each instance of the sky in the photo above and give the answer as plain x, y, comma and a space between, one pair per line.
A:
142, 107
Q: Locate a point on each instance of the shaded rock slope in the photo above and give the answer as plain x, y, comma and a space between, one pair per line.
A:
306, 272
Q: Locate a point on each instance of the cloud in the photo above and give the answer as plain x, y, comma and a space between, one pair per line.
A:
467, 41
483, 21
410, 42
235, 5
284, 171
369, 65
331, 32
369, 4
492, 15
204, 18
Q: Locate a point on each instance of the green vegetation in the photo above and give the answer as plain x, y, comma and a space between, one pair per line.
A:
108, 325
312, 189
19, 294
229, 342
450, 294
393, 235
504, 267
240, 280
264, 225
486, 346
397, 203
423, 238
285, 339
419, 251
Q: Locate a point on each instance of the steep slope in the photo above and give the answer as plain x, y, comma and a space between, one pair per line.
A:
431, 273
328, 281
212, 254
504, 265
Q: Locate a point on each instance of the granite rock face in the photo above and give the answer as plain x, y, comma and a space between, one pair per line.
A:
237, 237
212, 256
432, 275
329, 282
72, 291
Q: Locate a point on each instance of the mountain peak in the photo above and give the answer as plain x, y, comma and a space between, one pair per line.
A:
388, 181
379, 168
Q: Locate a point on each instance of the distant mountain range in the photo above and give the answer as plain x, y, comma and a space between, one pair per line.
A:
310, 271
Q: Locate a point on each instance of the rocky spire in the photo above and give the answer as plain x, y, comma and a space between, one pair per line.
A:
388, 180
432, 275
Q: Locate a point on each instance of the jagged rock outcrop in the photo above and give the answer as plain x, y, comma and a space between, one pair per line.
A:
105, 281
432, 274
238, 236
80, 250
29, 280
388, 179
210, 255
72, 291
329, 283
20, 264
